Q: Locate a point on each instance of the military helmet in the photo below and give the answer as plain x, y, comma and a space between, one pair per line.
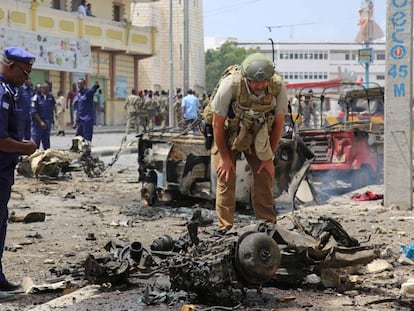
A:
256, 67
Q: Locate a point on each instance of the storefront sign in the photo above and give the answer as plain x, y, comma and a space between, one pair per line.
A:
52, 53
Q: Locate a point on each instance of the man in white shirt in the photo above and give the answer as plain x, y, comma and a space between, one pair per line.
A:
82, 8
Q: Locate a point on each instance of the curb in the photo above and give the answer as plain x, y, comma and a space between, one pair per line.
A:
110, 151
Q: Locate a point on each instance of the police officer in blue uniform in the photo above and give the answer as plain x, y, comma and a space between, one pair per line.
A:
43, 107
85, 114
24, 103
15, 67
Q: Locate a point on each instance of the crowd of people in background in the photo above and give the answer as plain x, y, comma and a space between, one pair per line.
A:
85, 9
40, 111
146, 109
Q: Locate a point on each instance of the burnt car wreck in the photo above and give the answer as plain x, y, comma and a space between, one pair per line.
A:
209, 263
173, 165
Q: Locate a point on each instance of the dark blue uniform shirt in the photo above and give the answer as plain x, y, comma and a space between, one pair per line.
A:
84, 100
24, 101
44, 106
9, 127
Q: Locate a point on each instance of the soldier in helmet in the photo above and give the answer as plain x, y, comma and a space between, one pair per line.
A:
248, 114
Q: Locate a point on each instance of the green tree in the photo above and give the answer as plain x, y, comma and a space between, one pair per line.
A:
219, 59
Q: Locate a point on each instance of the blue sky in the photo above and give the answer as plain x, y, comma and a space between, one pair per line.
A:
295, 20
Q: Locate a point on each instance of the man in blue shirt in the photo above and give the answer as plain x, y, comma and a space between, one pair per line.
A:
43, 108
15, 67
85, 115
24, 103
190, 107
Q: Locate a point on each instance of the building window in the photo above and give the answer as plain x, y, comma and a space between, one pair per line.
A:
117, 12
59, 5
380, 77
347, 56
380, 56
75, 5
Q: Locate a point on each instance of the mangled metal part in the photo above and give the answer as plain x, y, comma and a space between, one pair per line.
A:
257, 257
47, 162
224, 262
92, 166
106, 270
252, 256
54, 163
303, 253
80, 145
292, 162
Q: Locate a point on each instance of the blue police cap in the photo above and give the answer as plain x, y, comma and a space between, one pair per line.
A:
19, 55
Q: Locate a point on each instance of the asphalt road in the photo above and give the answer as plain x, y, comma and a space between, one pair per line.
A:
106, 140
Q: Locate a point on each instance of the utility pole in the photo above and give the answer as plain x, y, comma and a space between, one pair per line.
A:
186, 47
171, 92
398, 167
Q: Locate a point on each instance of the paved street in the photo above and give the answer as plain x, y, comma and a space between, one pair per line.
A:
106, 140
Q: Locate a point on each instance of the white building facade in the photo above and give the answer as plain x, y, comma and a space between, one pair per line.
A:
154, 72
319, 61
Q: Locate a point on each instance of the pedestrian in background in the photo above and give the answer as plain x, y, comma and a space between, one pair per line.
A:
142, 112
177, 110
60, 113
24, 103
15, 68
190, 108
85, 114
71, 103
254, 126
89, 10
100, 108
43, 109
151, 107
131, 107
163, 109
82, 8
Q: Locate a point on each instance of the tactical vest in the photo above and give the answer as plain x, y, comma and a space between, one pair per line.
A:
245, 117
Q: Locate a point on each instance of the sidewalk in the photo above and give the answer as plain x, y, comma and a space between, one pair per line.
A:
96, 129
106, 140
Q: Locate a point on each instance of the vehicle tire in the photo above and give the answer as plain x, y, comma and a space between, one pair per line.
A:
362, 177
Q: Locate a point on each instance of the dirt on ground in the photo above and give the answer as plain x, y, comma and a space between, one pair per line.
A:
83, 214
